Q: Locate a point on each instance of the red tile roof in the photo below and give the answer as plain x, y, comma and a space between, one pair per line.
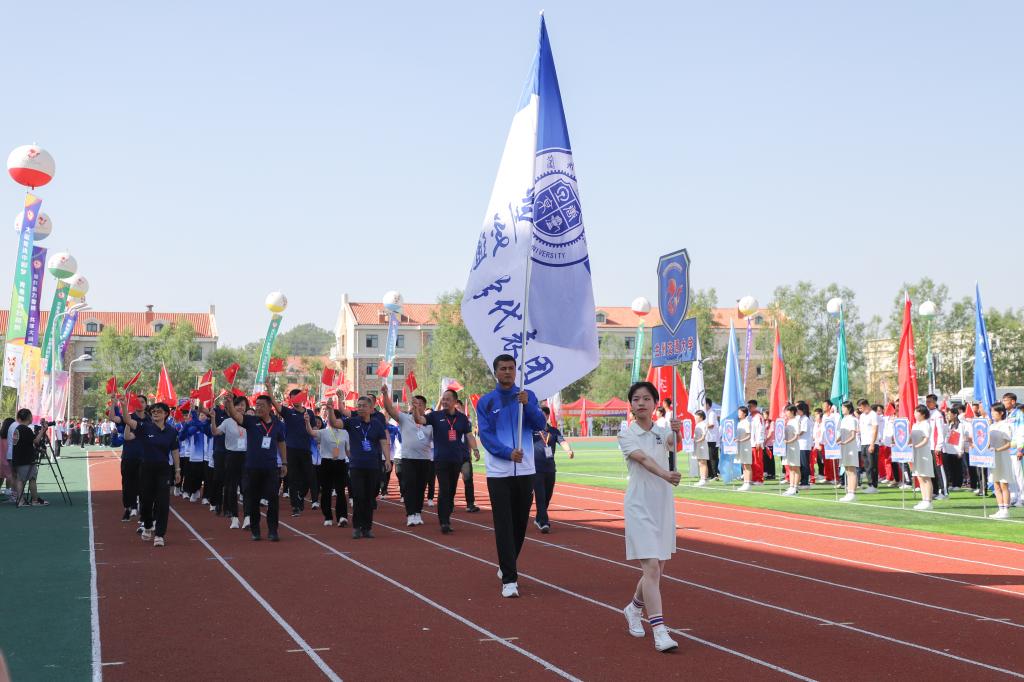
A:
412, 313
141, 324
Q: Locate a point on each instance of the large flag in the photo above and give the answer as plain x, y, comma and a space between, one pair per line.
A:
531, 270
165, 389
732, 400
697, 395
34, 296
778, 397
840, 376
57, 306
907, 363
984, 377
263, 366
662, 378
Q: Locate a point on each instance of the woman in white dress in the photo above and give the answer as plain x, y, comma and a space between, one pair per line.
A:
793, 433
1000, 435
924, 461
700, 446
649, 509
850, 453
744, 453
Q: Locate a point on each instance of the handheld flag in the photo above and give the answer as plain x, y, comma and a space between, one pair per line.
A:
131, 382
205, 390
328, 376
907, 363
984, 377
732, 399
449, 383
165, 389
275, 366
111, 385
840, 376
529, 289
695, 400
778, 395
410, 382
384, 369
299, 398
230, 372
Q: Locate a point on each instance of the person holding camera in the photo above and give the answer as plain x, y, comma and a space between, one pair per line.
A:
25, 457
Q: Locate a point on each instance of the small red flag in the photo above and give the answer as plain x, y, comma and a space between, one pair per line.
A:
237, 392
231, 371
384, 369
410, 382
194, 393
451, 384
276, 365
474, 398
969, 412
111, 385
299, 398
165, 389
351, 396
890, 410
405, 395
328, 377
205, 390
134, 404
131, 382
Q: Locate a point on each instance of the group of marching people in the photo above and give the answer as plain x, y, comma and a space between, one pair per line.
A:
940, 435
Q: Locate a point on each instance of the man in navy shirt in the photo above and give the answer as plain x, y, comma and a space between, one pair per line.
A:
451, 429
266, 461
544, 442
159, 453
368, 440
131, 457
300, 456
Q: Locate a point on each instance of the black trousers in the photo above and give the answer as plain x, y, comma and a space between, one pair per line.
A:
712, 460
447, 481
769, 463
300, 476
262, 483
467, 482
972, 473
385, 480
194, 472
414, 481
954, 470
155, 480
543, 489
234, 463
333, 479
805, 467
869, 460
130, 482
364, 486
215, 479
431, 479
511, 499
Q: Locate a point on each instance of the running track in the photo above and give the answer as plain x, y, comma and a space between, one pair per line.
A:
751, 594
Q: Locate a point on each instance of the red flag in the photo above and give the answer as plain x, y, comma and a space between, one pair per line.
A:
194, 393
410, 382
131, 382
969, 412
134, 404
890, 410
405, 395
944, 406
777, 399
237, 392
231, 371
299, 398
276, 365
907, 366
351, 396
451, 384
165, 389
474, 398
328, 377
384, 369
205, 391
584, 429
111, 385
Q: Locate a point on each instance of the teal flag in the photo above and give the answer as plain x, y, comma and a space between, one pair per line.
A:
637, 353
17, 322
841, 375
57, 307
268, 347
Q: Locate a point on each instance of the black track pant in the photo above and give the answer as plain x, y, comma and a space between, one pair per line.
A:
543, 489
869, 460
431, 480
467, 482
194, 472
130, 472
954, 470
447, 481
511, 499
215, 479
364, 486
234, 462
300, 476
333, 479
262, 483
155, 480
414, 482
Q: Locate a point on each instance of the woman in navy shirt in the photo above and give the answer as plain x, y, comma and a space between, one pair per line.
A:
544, 443
159, 453
265, 462
368, 440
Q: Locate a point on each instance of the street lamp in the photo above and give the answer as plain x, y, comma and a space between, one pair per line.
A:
71, 383
928, 310
640, 307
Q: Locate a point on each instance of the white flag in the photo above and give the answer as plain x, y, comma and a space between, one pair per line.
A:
534, 217
696, 397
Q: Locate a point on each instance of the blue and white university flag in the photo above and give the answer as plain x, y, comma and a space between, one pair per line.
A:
533, 244
732, 400
984, 377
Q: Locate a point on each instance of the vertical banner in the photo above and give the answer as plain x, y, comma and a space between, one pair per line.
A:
17, 321
66, 328
746, 355
12, 365
57, 307
30, 393
390, 345
268, 347
637, 353
35, 293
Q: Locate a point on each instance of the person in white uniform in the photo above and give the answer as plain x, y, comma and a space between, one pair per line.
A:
849, 452
744, 453
700, 447
793, 432
924, 461
649, 509
1000, 437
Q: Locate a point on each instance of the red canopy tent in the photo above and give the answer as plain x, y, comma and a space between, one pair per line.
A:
616, 407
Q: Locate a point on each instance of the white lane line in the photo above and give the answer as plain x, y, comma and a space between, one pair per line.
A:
595, 602
761, 567
303, 645
299, 651
427, 600
768, 605
114, 663
94, 606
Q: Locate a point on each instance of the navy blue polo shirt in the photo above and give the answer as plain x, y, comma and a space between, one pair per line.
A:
541, 461
362, 434
257, 456
132, 449
219, 415
295, 436
449, 447
157, 443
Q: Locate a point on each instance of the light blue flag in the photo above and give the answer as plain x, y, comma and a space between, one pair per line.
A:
732, 400
533, 248
984, 377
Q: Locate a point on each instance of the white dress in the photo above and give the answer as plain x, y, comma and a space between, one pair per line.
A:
649, 505
999, 434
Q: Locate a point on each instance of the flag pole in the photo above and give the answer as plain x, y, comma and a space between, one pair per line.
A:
526, 322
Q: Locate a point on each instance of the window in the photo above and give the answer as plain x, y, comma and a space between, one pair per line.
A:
196, 353
398, 369
600, 341
629, 342
396, 396
602, 318
372, 341
762, 393
92, 327
158, 327
759, 370
759, 319
400, 341
89, 350
371, 369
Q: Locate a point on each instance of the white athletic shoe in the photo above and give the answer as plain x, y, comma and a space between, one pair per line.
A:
634, 620
744, 488
195, 497
264, 503
147, 535
234, 523
315, 505
410, 520
158, 541
923, 505
284, 494
500, 576
871, 490
430, 503
419, 520
328, 522
701, 483
790, 491
1019, 503
510, 590
213, 507
905, 486
1001, 514
133, 513
206, 500
245, 523
848, 497
662, 641
941, 496
184, 495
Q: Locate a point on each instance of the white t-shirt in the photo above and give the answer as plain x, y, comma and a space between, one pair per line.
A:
416, 438
84, 428
333, 443
234, 435
868, 423
806, 438
712, 422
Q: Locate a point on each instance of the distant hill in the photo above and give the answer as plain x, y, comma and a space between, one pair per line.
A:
306, 339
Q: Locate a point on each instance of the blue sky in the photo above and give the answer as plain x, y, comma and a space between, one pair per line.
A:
211, 152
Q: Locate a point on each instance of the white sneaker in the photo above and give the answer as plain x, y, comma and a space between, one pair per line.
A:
184, 495
790, 491
419, 520
195, 497
284, 494
848, 497
634, 620
500, 575
941, 496
1001, 514
264, 503
158, 541
147, 535
871, 490
213, 507
328, 522
662, 641
245, 523
923, 505
430, 503
410, 520
905, 486
234, 522
206, 500
133, 513
744, 488
315, 505
701, 483
1019, 503
510, 590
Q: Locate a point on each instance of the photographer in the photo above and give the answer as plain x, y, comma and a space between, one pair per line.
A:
25, 448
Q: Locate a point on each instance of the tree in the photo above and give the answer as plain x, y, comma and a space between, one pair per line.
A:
116, 354
246, 357
451, 352
304, 340
610, 379
702, 304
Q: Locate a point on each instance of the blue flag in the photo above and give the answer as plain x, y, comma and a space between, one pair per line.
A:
732, 400
984, 377
530, 275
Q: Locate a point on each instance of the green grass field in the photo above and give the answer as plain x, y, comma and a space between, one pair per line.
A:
599, 463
